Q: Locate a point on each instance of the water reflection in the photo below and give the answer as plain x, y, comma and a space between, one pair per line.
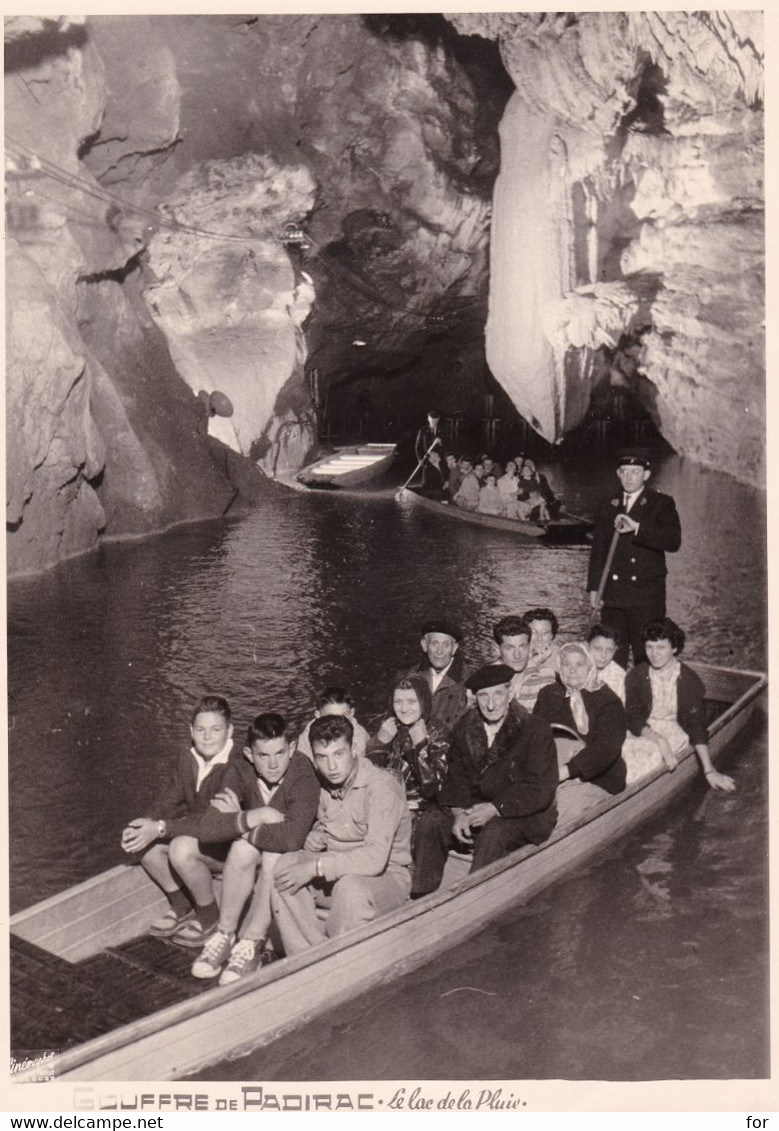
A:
619, 968
107, 654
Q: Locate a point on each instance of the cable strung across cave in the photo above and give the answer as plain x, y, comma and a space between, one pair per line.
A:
19, 151
72, 180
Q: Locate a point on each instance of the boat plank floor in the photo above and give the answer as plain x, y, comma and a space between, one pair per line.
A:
56, 1004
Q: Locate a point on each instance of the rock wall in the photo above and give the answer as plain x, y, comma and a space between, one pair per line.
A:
629, 207
153, 161
230, 308
102, 432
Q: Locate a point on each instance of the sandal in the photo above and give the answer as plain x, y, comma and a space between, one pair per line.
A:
193, 934
169, 923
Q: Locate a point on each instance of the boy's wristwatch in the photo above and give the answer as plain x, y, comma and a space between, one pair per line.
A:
161, 829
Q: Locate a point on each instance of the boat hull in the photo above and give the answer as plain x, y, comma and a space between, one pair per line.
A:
348, 467
233, 1020
566, 530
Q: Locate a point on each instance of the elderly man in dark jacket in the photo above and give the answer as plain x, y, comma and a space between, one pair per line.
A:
499, 792
442, 670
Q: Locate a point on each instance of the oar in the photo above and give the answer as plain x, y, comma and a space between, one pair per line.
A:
595, 610
401, 490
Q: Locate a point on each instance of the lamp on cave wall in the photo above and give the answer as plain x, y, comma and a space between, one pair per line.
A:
358, 341
294, 236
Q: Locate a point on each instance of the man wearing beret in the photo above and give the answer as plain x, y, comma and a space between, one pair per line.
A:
648, 526
499, 791
442, 668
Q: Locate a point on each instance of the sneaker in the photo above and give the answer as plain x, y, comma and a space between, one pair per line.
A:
213, 956
193, 934
245, 958
169, 923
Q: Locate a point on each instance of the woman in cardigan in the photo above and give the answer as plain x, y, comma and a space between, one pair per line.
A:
593, 712
408, 746
665, 708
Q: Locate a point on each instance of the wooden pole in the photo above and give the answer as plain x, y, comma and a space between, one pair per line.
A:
401, 490
595, 610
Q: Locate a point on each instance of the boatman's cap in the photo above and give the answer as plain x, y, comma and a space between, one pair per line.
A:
635, 457
443, 626
493, 675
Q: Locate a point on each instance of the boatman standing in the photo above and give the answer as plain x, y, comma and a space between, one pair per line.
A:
648, 526
433, 462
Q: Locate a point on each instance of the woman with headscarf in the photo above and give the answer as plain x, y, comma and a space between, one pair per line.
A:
408, 746
593, 713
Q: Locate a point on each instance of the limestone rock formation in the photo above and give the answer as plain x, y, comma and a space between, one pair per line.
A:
153, 162
225, 305
632, 160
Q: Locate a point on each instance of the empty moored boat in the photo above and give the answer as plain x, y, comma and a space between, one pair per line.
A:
348, 467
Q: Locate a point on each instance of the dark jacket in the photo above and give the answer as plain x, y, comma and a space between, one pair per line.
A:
637, 573
297, 798
433, 474
421, 767
424, 440
450, 700
181, 805
690, 706
518, 773
600, 760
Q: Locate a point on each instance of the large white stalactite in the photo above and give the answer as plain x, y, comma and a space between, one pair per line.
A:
630, 202
531, 270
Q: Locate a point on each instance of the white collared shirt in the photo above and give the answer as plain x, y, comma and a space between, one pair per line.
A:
491, 729
436, 677
267, 791
204, 768
630, 498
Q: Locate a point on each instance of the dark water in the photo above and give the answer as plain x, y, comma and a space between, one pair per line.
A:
107, 655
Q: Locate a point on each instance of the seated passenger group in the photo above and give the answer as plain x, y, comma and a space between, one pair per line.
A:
317, 836
520, 492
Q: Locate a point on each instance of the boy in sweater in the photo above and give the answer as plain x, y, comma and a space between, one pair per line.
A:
267, 806
169, 836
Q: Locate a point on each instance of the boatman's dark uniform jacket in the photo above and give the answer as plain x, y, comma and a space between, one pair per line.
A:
636, 578
433, 478
297, 797
450, 699
518, 774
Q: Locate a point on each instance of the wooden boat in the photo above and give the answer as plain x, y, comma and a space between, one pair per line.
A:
104, 918
348, 467
565, 529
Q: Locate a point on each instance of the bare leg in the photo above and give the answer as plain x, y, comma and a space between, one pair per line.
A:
194, 869
258, 917
237, 883
156, 863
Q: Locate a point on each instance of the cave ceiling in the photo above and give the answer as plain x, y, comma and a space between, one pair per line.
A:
280, 206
